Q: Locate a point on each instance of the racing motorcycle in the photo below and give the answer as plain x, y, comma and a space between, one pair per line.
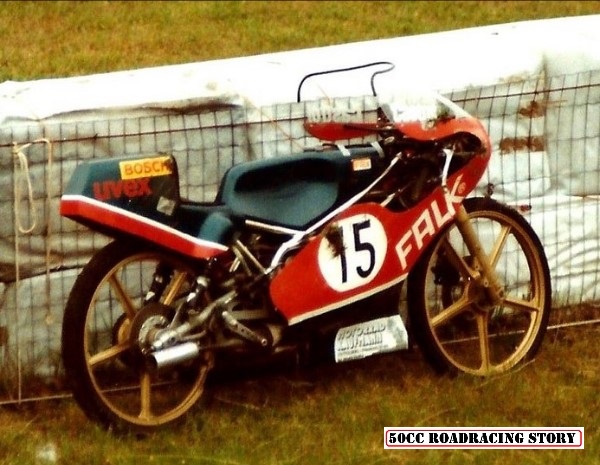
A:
296, 250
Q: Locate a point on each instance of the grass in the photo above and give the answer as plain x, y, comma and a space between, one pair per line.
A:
325, 414
335, 414
55, 39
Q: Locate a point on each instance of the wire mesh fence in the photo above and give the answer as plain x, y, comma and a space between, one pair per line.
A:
546, 163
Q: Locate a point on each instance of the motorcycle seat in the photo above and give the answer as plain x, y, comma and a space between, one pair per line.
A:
292, 191
209, 221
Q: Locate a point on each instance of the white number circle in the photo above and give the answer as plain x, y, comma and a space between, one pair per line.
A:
352, 252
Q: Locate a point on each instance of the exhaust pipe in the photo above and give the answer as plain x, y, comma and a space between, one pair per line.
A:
174, 355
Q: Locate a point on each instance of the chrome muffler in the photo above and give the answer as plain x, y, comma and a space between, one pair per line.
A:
175, 355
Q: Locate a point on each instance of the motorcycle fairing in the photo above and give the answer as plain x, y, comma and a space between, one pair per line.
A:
89, 211
366, 249
140, 197
334, 131
418, 130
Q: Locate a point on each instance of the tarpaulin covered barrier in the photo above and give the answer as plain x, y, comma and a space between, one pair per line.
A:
540, 102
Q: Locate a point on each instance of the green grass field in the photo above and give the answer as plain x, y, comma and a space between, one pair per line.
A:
335, 414
52, 39
328, 414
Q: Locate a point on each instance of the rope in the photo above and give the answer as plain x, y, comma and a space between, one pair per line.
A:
23, 175
22, 168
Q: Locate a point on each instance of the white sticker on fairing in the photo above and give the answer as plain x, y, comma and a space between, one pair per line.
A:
378, 336
352, 252
166, 206
361, 164
335, 112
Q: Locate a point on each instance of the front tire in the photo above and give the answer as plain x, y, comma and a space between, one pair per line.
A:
455, 325
106, 372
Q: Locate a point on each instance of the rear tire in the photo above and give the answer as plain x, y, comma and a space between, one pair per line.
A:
106, 372
454, 324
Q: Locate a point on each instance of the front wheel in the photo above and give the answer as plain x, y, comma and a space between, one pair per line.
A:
107, 309
456, 325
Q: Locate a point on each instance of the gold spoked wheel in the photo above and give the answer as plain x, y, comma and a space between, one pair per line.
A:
107, 373
456, 324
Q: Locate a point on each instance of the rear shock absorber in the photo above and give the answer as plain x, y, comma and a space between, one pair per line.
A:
160, 279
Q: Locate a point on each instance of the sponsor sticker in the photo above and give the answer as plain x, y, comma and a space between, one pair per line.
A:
361, 164
146, 167
483, 438
166, 206
335, 112
130, 188
362, 340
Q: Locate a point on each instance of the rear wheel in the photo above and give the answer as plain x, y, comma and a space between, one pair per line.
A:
104, 316
456, 325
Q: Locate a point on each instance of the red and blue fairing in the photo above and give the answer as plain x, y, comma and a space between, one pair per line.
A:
139, 197
368, 248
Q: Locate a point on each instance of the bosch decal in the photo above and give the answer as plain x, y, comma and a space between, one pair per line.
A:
146, 167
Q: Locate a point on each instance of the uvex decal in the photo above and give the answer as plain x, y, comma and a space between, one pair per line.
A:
107, 190
427, 224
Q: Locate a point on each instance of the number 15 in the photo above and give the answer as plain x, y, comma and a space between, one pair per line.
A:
358, 246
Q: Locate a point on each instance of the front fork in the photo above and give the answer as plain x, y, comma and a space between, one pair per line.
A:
487, 276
